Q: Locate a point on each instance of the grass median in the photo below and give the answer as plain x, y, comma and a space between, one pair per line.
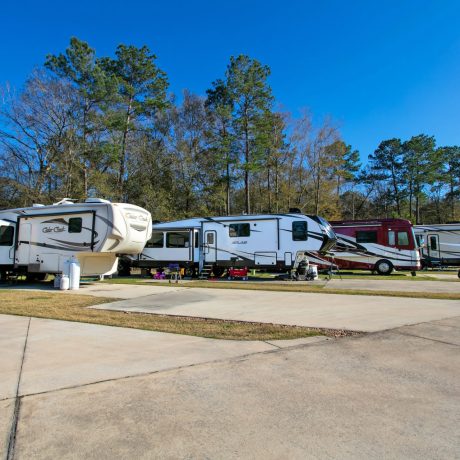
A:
72, 307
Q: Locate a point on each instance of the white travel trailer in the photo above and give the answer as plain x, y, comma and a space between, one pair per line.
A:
263, 241
440, 244
37, 240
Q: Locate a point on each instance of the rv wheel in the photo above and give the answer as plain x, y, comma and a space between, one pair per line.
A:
459, 273
384, 267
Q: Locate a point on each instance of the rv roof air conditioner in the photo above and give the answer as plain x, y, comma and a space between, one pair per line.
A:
294, 211
96, 200
65, 201
37, 205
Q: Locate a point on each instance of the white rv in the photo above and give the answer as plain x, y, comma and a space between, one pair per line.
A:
263, 241
37, 240
440, 244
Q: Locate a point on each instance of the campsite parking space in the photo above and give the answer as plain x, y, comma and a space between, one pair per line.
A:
334, 311
91, 391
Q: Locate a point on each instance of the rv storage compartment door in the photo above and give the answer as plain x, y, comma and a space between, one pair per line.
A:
288, 259
265, 258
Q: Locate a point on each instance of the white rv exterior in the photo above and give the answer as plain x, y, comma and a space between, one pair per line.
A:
270, 240
37, 240
440, 244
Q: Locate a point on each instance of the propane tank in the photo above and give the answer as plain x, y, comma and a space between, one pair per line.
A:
74, 273
65, 282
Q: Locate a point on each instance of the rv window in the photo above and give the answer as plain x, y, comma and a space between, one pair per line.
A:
420, 241
210, 238
75, 224
403, 239
433, 243
391, 238
235, 230
156, 241
300, 230
366, 237
6, 235
197, 241
177, 239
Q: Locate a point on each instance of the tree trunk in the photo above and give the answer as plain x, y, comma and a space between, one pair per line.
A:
277, 188
227, 204
246, 172
122, 170
269, 191
396, 191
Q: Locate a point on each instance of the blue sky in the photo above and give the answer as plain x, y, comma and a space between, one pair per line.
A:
380, 69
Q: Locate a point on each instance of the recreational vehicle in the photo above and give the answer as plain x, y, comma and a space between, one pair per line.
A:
39, 239
253, 241
440, 244
378, 245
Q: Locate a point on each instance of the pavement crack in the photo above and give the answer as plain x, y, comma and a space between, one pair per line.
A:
17, 404
428, 338
272, 344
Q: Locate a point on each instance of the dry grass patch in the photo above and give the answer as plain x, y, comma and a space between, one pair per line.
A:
72, 307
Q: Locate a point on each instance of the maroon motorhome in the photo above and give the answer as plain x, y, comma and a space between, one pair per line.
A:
380, 245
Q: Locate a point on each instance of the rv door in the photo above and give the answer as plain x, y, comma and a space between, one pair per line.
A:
210, 246
6, 242
434, 250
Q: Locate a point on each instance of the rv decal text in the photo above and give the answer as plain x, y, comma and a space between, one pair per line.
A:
56, 229
239, 242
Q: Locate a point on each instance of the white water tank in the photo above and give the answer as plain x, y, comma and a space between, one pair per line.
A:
57, 281
65, 282
74, 273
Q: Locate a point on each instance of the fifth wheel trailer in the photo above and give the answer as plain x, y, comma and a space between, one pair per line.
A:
39, 239
253, 241
380, 245
440, 244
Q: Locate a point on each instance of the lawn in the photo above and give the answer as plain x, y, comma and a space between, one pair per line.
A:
72, 307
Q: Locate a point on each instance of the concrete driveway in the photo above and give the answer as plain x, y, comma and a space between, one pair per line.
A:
359, 313
87, 391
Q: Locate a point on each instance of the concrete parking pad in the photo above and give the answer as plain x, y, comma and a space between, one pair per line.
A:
360, 313
13, 331
6, 419
385, 395
63, 354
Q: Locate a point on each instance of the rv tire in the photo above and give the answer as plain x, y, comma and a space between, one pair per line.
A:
458, 273
384, 267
